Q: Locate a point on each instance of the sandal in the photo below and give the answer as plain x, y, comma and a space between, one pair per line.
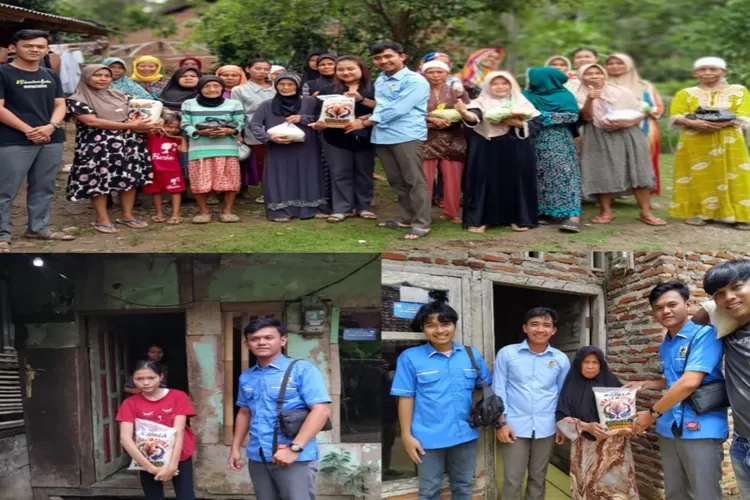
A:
696, 221
603, 219
229, 218
175, 221
742, 226
394, 224
282, 219
415, 234
50, 236
201, 219
570, 226
158, 219
456, 219
260, 200
104, 228
320, 216
652, 220
366, 214
132, 223
336, 218
477, 230
518, 229
4, 246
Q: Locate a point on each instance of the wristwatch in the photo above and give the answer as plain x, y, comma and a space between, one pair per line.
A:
295, 448
654, 414
500, 425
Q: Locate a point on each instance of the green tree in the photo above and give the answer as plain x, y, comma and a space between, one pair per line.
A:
121, 15
38, 5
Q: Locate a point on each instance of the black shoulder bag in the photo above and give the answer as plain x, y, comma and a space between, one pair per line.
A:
488, 409
290, 422
707, 397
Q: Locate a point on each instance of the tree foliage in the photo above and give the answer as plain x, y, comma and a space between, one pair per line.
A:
37, 5
121, 15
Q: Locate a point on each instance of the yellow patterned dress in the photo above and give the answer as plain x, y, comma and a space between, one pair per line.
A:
712, 170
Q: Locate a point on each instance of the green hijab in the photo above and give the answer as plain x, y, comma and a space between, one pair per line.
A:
547, 91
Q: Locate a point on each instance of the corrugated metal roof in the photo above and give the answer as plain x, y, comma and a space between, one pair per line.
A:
85, 26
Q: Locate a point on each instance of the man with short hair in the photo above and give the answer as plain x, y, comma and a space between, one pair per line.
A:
528, 377
691, 444
729, 284
399, 133
32, 109
287, 472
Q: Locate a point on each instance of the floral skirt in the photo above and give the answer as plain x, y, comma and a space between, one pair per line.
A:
218, 174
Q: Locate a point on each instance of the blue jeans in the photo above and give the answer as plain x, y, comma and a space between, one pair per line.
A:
740, 453
460, 460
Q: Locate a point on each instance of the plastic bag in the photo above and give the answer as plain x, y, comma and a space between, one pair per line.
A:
289, 130
616, 407
145, 109
447, 114
244, 152
505, 111
568, 428
338, 110
624, 115
155, 441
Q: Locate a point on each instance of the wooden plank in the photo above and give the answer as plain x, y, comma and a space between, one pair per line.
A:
335, 318
228, 319
85, 417
251, 307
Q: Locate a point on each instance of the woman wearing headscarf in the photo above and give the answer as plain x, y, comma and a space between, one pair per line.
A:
121, 82
712, 166
293, 182
191, 61
480, 64
183, 85
622, 71
615, 159
147, 74
233, 77
563, 64
213, 152
276, 70
601, 465
311, 66
500, 180
558, 174
581, 57
327, 70
111, 155
452, 81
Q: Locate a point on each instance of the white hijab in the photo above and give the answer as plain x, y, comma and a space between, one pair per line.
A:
486, 101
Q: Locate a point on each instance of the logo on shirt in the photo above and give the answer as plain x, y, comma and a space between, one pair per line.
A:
683, 351
551, 363
693, 426
34, 84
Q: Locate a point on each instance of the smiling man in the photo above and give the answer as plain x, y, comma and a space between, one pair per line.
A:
528, 377
691, 444
729, 284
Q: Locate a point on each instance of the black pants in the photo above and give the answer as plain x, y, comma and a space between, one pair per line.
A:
183, 483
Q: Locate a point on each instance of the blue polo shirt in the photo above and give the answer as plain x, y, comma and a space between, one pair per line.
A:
705, 356
529, 384
401, 109
442, 386
258, 391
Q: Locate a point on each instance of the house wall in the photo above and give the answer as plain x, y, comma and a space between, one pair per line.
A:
15, 479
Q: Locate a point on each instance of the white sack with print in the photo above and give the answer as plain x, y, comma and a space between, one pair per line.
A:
288, 130
145, 109
155, 441
338, 110
616, 407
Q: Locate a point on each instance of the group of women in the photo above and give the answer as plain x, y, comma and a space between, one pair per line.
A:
564, 142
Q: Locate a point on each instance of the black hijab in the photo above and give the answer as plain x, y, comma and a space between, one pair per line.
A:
577, 396
287, 105
213, 102
322, 80
311, 74
175, 94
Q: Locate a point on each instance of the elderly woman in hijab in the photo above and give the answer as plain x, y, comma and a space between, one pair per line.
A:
712, 167
327, 69
111, 155
293, 182
622, 71
233, 76
147, 74
500, 184
123, 83
480, 64
213, 153
183, 85
452, 81
601, 464
558, 174
615, 159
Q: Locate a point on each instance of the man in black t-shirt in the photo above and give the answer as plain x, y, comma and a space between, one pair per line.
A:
32, 108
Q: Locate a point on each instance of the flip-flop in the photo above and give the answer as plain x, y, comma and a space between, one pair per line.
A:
570, 226
229, 218
201, 219
336, 218
50, 236
696, 221
320, 216
281, 220
603, 219
158, 219
104, 228
742, 226
175, 221
393, 224
518, 229
416, 234
366, 214
132, 223
477, 230
652, 221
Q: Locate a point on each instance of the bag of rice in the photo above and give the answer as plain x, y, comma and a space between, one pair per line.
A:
616, 407
505, 111
145, 109
155, 442
338, 110
447, 114
289, 130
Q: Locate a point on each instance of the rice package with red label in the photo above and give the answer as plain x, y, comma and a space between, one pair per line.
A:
616, 407
155, 441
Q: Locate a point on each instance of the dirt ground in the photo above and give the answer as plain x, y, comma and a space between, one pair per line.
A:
255, 234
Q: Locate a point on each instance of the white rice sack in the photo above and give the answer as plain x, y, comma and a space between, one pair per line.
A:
723, 323
623, 115
338, 110
616, 407
145, 109
155, 441
289, 130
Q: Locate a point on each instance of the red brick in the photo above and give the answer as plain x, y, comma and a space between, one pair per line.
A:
516, 260
725, 255
441, 261
394, 256
692, 256
477, 264
459, 262
426, 260
627, 300
507, 269
491, 258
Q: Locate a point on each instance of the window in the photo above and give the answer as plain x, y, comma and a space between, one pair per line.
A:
598, 261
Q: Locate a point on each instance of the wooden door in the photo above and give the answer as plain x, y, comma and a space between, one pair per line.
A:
107, 355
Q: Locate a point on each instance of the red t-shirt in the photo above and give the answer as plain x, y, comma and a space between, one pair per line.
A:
165, 154
162, 411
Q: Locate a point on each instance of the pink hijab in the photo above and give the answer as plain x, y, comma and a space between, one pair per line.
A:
614, 97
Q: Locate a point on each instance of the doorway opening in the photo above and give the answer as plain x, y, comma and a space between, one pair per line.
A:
115, 343
573, 331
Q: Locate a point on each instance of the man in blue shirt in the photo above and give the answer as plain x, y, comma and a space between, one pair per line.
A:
434, 384
691, 445
528, 377
399, 123
287, 473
